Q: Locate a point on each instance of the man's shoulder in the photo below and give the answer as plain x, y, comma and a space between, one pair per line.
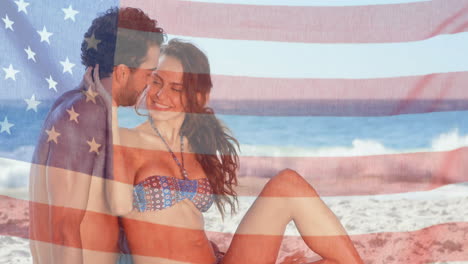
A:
78, 106
80, 99
74, 134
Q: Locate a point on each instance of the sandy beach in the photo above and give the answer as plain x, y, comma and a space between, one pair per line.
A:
414, 227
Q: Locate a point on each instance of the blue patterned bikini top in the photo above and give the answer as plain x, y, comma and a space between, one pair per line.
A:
159, 192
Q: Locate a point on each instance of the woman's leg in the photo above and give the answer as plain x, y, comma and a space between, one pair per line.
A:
288, 196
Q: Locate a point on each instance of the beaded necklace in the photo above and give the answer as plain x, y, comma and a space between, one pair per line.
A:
181, 166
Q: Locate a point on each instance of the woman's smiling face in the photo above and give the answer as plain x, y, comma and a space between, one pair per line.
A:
166, 96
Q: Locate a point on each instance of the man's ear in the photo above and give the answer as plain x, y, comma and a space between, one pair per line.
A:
121, 74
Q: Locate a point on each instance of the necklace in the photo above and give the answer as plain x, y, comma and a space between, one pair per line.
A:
181, 166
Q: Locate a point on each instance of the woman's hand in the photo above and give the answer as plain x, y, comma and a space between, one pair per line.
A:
97, 85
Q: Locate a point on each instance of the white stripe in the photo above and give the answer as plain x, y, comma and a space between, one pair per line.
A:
443, 53
15, 250
375, 213
310, 2
359, 148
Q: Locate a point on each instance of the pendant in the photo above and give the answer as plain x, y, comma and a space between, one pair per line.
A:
184, 173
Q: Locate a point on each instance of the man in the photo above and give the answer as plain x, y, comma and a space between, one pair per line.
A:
70, 221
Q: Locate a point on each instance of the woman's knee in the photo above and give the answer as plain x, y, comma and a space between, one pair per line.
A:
288, 183
289, 176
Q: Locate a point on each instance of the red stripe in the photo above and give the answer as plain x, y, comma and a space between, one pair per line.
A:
242, 95
341, 97
348, 24
439, 86
443, 242
363, 175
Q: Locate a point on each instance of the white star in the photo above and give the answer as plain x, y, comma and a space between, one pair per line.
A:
69, 13
22, 6
52, 83
92, 42
10, 72
93, 146
32, 103
8, 22
90, 95
5, 125
67, 66
30, 53
73, 115
45, 35
53, 135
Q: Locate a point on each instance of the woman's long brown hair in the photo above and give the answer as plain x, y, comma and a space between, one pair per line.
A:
209, 138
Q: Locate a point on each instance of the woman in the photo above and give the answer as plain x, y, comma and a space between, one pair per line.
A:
174, 166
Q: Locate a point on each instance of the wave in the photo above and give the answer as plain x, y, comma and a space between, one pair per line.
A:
449, 140
359, 147
15, 168
14, 173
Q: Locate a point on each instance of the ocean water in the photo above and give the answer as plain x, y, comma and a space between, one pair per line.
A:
262, 135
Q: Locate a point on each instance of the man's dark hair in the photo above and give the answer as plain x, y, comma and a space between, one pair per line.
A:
121, 36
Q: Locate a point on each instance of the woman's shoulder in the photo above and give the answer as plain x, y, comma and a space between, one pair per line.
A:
139, 137
143, 132
128, 135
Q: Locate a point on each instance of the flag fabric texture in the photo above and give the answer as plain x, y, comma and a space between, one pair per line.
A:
367, 100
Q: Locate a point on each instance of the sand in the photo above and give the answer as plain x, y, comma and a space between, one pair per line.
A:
415, 227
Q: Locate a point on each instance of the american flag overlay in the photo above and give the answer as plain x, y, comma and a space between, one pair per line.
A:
366, 100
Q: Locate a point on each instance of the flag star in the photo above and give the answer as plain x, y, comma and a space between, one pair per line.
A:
92, 42
30, 53
93, 146
67, 66
8, 22
10, 73
45, 35
69, 13
22, 6
91, 95
32, 103
53, 135
52, 83
73, 115
5, 126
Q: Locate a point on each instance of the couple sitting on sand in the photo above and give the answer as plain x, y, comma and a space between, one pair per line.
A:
104, 194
